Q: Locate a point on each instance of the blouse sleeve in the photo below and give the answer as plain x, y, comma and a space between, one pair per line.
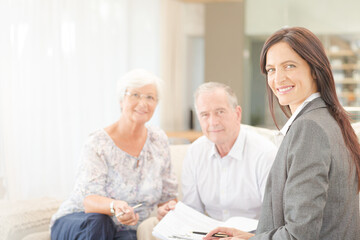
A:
305, 193
93, 171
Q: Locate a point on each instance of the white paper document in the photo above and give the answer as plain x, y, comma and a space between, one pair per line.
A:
183, 220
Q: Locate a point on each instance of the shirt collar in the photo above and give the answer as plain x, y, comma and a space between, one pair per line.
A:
235, 151
297, 111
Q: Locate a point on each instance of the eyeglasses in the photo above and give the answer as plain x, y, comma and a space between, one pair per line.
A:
134, 96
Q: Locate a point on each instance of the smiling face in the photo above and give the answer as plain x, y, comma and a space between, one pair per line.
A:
218, 120
139, 104
289, 76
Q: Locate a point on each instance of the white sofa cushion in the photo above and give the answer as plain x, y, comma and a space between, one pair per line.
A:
178, 153
19, 218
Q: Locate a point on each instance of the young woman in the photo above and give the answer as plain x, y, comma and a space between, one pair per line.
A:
312, 189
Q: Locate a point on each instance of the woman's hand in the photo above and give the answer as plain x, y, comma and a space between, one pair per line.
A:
165, 208
125, 214
233, 234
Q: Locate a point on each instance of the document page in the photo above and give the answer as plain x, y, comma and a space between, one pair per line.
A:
183, 220
241, 223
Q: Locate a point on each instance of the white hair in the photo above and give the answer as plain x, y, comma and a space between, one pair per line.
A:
137, 78
211, 87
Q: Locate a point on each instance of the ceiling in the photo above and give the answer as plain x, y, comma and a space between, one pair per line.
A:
210, 1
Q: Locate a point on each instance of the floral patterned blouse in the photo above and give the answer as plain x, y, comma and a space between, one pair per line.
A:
108, 171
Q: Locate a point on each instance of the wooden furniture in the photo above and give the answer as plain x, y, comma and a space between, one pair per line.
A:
190, 135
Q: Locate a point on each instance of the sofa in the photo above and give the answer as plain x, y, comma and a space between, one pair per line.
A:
29, 220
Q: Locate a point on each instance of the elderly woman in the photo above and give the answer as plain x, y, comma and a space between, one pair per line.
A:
122, 165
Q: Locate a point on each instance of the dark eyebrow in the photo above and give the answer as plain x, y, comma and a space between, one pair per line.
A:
286, 61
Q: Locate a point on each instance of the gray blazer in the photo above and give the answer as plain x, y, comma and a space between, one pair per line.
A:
311, 191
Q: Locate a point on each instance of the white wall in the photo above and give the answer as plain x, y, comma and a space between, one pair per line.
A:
263, 17
195, 57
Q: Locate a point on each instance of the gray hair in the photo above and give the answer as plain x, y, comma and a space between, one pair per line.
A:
210, 87
137, 78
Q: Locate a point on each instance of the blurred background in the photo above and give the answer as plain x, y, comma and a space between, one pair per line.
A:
60, 61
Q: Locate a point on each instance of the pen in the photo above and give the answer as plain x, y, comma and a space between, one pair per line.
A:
219, 235
122, 213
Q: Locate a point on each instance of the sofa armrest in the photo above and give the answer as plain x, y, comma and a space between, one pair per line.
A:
178, 153
20, 218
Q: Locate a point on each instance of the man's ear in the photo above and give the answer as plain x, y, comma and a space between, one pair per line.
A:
238, 111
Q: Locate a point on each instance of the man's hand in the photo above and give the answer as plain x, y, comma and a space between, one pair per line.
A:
165, 208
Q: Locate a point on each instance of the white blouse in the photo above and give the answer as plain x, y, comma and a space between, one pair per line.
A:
313, 96
108, 171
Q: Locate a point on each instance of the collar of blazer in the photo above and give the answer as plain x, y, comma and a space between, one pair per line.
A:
313, 105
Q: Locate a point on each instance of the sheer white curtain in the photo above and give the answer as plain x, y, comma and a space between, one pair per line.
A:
59, 63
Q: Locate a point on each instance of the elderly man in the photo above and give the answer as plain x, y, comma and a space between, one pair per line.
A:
225, 171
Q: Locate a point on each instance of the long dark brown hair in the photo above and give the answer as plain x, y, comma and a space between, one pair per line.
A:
310, 48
